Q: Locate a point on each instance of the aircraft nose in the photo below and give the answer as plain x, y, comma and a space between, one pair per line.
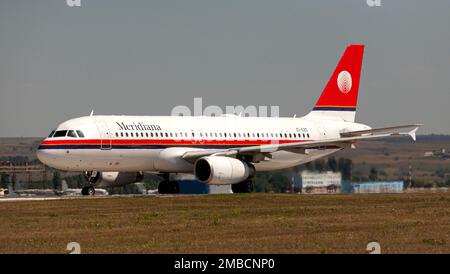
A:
44, 156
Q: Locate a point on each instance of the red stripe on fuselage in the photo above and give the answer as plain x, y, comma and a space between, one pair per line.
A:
166, 142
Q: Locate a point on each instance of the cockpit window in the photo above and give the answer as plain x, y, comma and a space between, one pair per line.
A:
60, 133
51, 134
72, 134
80, 134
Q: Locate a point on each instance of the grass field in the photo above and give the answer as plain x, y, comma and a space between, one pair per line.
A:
250, 223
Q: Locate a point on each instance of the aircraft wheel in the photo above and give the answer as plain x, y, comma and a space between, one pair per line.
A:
174, 187
243, 187
168, 187
88, 190
162, 187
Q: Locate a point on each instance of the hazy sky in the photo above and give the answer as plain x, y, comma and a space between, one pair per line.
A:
145, 57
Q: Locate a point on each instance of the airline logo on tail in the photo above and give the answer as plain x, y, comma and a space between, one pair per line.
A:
344, 81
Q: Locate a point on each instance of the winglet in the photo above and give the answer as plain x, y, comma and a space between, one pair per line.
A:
92, 113
412, 133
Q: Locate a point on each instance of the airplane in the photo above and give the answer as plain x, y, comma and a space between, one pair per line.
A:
116, 150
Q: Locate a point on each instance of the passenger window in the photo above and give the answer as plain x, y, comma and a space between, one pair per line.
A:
156, 134
131, 134
117, 134
142, 134
290, 135
308, 135
51, 134
121, 134
146, 134
126, 133
60, 133
80, 134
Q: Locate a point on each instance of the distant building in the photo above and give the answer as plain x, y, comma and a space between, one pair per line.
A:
378, 187
442, 154
325, 182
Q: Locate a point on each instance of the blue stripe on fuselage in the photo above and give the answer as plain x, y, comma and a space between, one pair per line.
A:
335, 108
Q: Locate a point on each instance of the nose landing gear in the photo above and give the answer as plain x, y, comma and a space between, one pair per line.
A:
88, 190
92, 177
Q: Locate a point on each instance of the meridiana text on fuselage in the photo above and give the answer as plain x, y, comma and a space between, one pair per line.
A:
138, 126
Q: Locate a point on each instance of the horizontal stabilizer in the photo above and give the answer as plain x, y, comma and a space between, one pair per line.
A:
376, 130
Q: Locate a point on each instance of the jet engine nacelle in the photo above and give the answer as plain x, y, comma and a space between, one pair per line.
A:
106, 179
220, 170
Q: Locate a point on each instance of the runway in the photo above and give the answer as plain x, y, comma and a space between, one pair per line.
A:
78, 197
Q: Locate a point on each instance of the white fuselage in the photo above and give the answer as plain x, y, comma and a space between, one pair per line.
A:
157, 143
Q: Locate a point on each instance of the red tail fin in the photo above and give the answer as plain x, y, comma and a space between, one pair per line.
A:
341, 92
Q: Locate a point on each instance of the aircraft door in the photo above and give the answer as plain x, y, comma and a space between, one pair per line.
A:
321, 130
105, 135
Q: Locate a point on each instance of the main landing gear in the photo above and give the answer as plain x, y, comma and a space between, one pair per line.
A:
167, 186
243, 187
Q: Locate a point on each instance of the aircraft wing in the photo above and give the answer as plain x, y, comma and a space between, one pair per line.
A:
299, 147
